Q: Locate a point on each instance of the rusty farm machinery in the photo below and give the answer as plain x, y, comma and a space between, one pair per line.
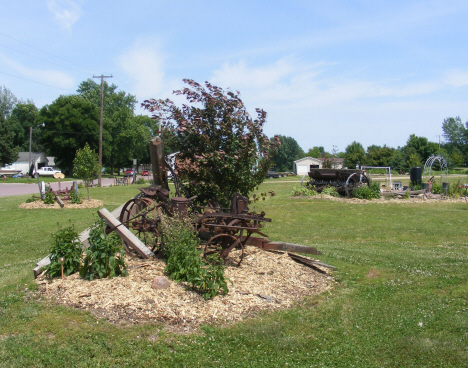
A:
344, 180
226, 231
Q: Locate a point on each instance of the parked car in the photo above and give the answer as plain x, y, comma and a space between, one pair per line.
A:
272, 173
46, 171
146, 173
20, 175
129, 172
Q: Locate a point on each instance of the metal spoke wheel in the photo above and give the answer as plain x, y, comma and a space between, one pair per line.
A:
229, 247
141, 216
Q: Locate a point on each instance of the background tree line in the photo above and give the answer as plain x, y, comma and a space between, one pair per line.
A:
415, 152
71, 121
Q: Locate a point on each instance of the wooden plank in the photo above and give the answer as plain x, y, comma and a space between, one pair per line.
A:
125, 234
288, 247
308, 261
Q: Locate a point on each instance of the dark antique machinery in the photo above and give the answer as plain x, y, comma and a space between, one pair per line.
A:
344, 180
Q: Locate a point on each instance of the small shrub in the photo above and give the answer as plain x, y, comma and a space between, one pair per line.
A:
331, 191
369, 192
33, 199
406, 195
105, 255
49, 198
436, 188
74, 198
303, 191
67, 245
140, 181
184, 261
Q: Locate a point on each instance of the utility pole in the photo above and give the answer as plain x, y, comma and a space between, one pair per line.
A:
100, 124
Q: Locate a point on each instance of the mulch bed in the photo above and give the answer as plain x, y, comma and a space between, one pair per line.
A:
263, 281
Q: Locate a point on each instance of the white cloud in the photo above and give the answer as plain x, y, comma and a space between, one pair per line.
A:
66, 12
457, 78
145, 63
53, 78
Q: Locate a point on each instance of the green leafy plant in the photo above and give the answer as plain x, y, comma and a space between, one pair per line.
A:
33, 199
303, 191
140, 181
105, 255
49, 198
369, 192
184, 261
406, 195
74, 198
436, 188
331, 191
67, 245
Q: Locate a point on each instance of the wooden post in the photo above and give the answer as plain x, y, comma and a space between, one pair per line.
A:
158, 163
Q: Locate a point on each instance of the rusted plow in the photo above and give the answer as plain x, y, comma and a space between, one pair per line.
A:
223, 231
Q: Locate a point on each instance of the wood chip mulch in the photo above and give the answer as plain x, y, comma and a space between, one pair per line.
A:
382, 200
263, 281
86, 203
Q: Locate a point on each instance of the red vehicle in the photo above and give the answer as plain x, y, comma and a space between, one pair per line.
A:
145, 173
129, 172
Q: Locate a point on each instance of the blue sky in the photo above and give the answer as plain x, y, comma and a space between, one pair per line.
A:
327, 72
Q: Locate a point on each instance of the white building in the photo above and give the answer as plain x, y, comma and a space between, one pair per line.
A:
304, 165
38, 160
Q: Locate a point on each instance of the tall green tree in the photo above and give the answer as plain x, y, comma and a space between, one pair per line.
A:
86, 165
7, 101
315, 152
354, 154
287, 153
24, 116
379, 156
222, 150
122, 133
8, 152
456, 137
421, 147
70, 122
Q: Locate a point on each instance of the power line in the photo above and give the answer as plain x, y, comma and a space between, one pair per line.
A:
30, 80
50, 62
45, 52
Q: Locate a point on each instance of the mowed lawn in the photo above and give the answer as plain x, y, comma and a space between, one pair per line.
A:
401, 298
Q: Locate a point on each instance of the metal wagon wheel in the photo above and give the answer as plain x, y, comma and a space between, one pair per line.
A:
355, 180
141, 215
229, 247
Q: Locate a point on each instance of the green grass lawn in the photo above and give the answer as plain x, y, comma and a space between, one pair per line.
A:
401, 301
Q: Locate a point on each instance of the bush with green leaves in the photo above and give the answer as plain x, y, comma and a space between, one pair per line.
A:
371, 191
74, 198
49, 198
67, 245
140, 181
222, 150
331, 191
436, 188
184, 260
303, 191
105, 255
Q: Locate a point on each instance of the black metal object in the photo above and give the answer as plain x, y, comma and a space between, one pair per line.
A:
344, 180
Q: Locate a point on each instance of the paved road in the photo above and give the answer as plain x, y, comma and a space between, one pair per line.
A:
11, 189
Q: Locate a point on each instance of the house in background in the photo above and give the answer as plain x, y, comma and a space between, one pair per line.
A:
21, 165
304, 165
